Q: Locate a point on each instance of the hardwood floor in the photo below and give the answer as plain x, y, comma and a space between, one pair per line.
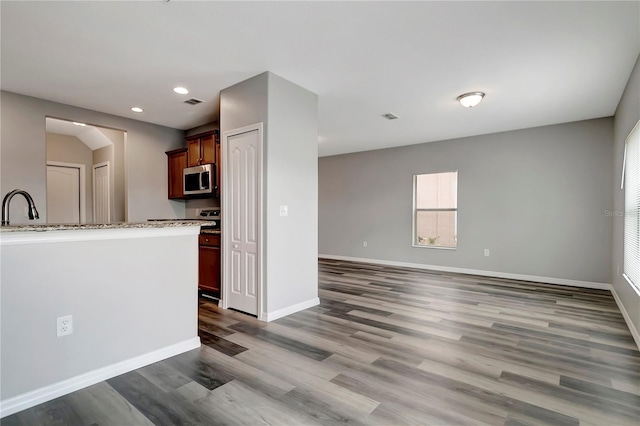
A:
387, 346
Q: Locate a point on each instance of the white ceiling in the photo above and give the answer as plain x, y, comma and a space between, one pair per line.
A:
539, 63
91, 136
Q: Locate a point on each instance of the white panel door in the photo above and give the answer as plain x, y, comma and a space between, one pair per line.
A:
101, 194
243, 155
63, 194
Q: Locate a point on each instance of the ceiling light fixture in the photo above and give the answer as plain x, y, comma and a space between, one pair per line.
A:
180, 90
137, 109
470, 99
78, 124
391, 116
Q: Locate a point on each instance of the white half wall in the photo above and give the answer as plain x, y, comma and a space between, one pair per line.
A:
132, 294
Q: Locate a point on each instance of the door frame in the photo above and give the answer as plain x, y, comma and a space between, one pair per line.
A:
226, 227
83, 184
110, 195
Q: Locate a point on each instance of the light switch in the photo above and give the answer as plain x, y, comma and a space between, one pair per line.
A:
284, 211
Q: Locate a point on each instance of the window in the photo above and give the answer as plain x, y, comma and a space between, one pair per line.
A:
435, 210
632, 207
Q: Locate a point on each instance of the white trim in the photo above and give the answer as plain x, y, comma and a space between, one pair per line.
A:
547, 280
111, 189
80, 234
624, 156
83, 185
271, 316
55, 390
627, 318
225, 213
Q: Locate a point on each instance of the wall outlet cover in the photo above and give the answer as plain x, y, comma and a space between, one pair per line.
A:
64, 325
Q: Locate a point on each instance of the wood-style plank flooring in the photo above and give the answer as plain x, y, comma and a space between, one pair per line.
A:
387, 346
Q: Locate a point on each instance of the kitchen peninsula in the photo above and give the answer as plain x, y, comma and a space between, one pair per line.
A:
131, 289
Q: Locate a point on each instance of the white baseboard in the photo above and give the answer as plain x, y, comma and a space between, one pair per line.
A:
547, 280
55, 390
627, 318
271, 316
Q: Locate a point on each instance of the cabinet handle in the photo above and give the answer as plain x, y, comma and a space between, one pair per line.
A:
206, 240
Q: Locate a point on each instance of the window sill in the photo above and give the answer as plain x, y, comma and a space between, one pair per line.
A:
633, 286
434, 247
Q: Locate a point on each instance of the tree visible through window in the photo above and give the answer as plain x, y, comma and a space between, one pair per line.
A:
435, 210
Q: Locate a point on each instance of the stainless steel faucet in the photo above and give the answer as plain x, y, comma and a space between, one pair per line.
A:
33, 212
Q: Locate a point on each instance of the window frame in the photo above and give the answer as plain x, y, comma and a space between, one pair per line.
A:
415, 210
634, 285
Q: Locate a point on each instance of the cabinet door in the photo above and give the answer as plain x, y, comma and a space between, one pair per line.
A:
209, 269
177, 163
193, 147
208, 149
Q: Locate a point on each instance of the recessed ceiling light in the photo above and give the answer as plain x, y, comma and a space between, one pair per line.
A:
470, 99
180, 90
79, 124
137, 109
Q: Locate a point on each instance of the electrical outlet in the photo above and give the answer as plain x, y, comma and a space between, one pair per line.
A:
364, 244
64, 325
284, 211
26, 212
486, 252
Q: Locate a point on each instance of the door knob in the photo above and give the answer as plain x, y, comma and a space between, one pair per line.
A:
235, 246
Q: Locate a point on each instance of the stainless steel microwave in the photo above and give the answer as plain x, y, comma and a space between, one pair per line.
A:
200, 180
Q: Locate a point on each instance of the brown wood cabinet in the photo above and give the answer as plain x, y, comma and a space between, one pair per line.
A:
202, 149
209, 264
177, 162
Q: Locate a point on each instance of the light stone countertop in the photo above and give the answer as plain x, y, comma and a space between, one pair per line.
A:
119, 225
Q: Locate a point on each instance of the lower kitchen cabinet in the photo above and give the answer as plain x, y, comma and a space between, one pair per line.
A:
209, 264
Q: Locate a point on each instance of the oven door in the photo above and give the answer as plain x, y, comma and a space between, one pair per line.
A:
199, 180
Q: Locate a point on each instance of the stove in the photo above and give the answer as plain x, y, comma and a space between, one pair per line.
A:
211, 215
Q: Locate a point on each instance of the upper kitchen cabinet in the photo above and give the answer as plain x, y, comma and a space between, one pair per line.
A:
202, 148
177, 163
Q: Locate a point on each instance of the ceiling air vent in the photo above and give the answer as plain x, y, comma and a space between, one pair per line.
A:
390, 116
193, 101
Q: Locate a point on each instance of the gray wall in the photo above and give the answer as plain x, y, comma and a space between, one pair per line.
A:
70, 149
292, 180
536, 198
202, 129
289, 116
23, 157
627, 115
